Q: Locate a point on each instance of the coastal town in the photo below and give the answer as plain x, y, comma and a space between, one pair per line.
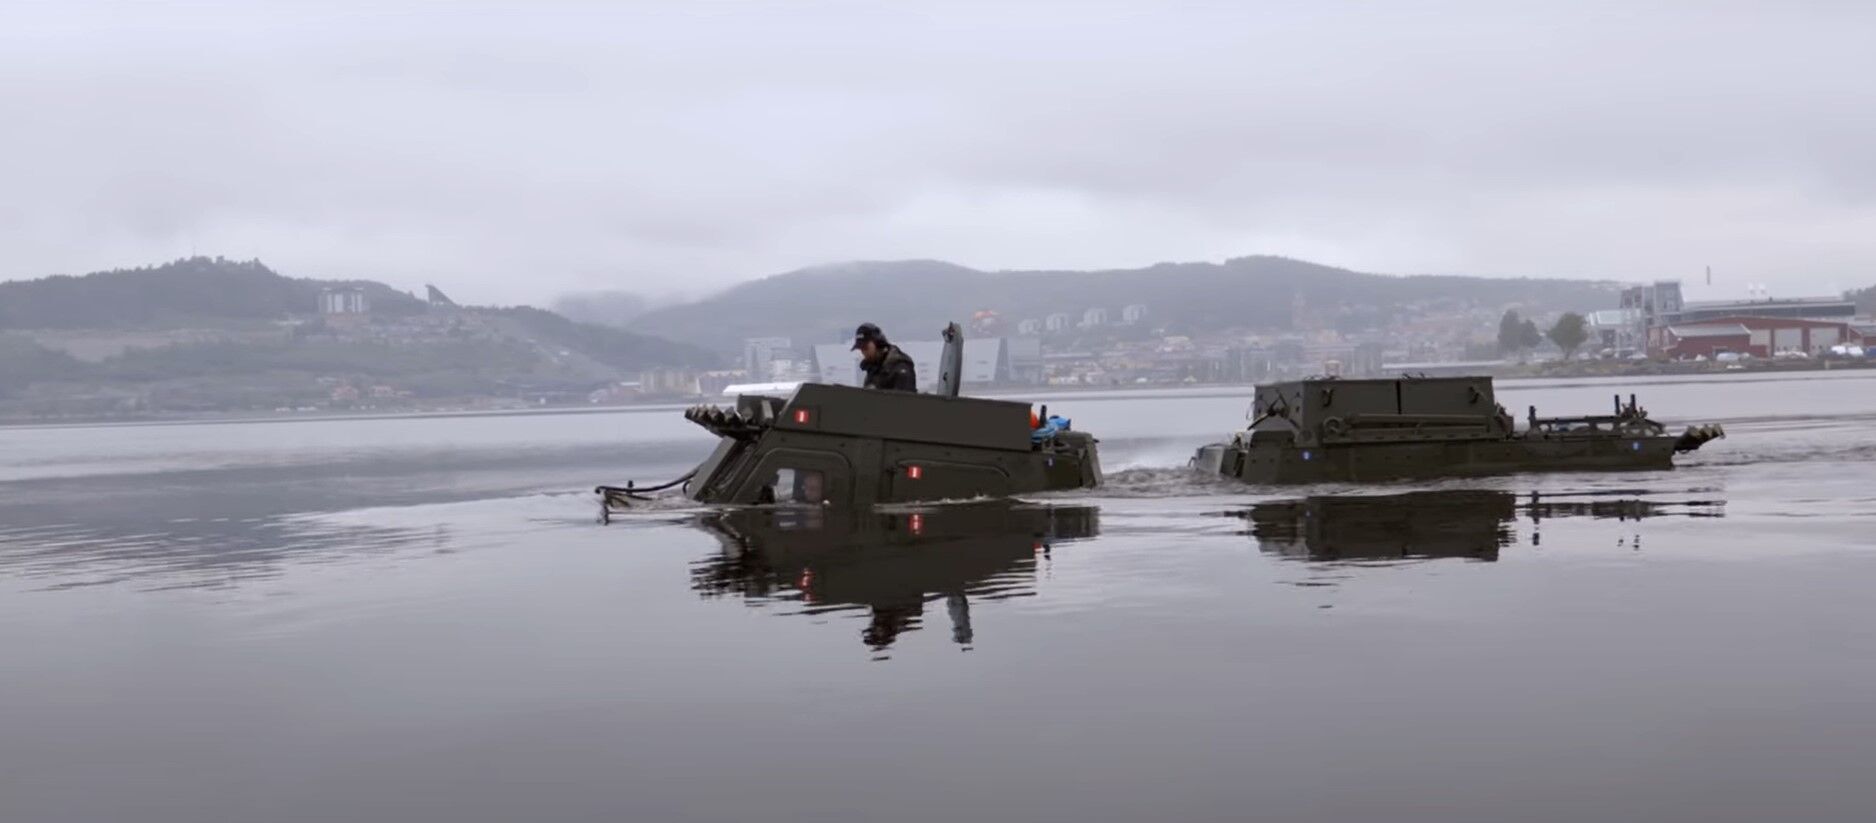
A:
316, 347
1651, 330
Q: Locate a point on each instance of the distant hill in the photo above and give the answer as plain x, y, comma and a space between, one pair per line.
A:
613, 347
202, 335
605, 308
915, 298
192, 290
22, 363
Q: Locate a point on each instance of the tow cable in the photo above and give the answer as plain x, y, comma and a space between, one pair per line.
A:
622, 495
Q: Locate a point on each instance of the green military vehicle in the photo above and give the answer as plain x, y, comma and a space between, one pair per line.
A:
1329, 429
845, 446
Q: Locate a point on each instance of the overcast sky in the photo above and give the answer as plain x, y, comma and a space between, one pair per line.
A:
511, 152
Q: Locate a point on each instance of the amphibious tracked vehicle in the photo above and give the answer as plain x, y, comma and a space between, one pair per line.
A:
846, 446
1330, 429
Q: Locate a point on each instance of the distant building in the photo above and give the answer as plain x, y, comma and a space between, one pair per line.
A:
1025, 359
1746, 334
985, 322
1029, 327
1133, 314
836, 364
344, 301
987, 360
760, 352
1287, 353
712, 383
1056, 322
1094, 317
1241, 364
1656, 319
668, 382
1365, 360
1807, 308
1648, 307
1612, 329
1704, 340
792, 369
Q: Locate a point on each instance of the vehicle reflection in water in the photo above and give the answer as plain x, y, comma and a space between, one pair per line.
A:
1472, 524
890, 563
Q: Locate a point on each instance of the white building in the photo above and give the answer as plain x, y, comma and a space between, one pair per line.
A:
837, 364
344, 301
760, 352
1094, 317
1132, 314
1056, 322
984, 361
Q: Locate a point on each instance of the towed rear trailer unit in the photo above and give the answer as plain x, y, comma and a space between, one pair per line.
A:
1333, 430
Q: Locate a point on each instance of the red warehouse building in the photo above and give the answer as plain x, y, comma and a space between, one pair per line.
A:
1757, 336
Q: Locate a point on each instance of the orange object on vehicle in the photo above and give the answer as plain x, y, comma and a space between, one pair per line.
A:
1034, 421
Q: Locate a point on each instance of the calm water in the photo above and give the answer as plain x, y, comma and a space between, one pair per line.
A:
419, 619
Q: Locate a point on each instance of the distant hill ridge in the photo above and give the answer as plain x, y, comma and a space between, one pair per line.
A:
178, 292
918, 296
210, 291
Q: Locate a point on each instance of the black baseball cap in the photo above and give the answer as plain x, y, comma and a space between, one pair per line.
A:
867, 331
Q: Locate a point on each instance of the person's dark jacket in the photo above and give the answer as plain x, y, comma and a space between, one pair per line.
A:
893, 371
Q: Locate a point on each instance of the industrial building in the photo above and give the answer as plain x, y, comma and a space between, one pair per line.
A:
1654, 318
1809, 308
1749, 334
1614, 329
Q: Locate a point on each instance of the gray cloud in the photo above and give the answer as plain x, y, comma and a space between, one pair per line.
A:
512, 151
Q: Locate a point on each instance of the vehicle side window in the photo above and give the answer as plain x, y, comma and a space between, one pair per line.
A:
792, 485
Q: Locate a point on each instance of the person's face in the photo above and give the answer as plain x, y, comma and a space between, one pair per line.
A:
869, 351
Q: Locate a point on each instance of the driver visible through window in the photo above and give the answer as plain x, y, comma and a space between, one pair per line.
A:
797, 486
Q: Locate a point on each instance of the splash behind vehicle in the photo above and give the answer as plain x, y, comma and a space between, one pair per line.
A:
845, 446
1328, 429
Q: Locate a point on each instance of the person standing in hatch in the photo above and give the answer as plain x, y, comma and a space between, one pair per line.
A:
885, 365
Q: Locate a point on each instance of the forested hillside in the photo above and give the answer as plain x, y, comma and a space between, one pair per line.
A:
188, 291
209, 334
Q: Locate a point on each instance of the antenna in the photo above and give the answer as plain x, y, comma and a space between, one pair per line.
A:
951, 362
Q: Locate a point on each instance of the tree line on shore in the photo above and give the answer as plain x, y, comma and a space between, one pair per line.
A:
1519, 335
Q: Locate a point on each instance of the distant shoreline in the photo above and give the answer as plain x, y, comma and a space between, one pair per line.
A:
1703, 372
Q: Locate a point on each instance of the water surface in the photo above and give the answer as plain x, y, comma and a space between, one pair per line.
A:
419, 619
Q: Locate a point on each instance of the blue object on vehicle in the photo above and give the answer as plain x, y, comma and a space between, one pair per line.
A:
1049, 428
